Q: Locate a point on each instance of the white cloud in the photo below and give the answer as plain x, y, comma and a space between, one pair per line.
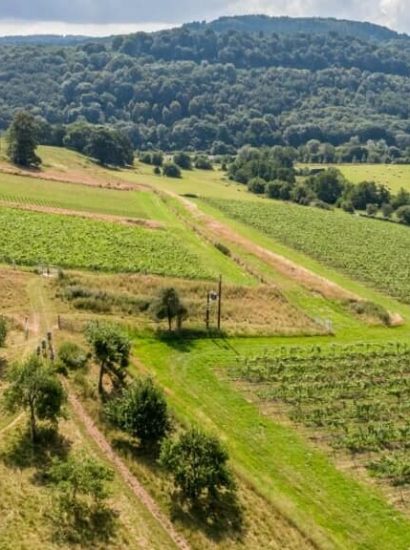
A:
393, 13
24, 28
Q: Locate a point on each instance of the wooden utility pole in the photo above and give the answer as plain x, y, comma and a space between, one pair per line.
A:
208, 305
219, 302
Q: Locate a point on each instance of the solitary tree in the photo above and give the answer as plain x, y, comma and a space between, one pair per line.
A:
141, 411
34, 387
169, 306
22, 140
111, 349
198, 465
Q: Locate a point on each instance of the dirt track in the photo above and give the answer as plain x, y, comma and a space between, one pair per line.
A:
125, 473
301, 275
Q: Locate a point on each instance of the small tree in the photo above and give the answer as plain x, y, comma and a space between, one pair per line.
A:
403, 213
171, 170
372, 209
198, 465
81, 483
387, 210
111, 349
169, 306
22, 140
183, 160
36, 388
141, 411
3, 331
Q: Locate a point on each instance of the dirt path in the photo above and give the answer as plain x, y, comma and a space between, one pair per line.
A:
135, 486
301, 275
151, 224
78, 177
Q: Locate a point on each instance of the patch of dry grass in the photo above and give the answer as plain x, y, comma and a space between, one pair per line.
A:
245, 310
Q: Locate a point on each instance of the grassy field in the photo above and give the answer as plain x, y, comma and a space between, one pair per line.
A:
362, 253
328, 506
53, 194
394, 176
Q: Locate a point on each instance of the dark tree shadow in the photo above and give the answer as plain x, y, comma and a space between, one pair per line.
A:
22, 453
219, 518
146, 455
185, 340
3, 367
84, 524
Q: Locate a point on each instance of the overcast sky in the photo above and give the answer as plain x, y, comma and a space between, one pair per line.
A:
102, 17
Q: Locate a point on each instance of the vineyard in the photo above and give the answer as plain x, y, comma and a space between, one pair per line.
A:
357, 396
136, 204
361, 253
29, 238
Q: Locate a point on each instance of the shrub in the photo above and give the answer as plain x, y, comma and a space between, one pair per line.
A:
157, 171
72, 356
372, 209
171, 170
183, 160
141, 411
203, 163
403, 213
347, 206
257, 186
157, 158
387, 210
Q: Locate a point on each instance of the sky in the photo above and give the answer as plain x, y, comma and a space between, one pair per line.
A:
105, 17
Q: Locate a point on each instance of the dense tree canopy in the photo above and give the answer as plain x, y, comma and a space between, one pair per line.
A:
217, 90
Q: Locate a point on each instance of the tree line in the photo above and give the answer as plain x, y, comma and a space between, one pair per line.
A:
271, 172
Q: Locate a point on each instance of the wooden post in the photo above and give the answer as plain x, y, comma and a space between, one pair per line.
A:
208, 305
219, 302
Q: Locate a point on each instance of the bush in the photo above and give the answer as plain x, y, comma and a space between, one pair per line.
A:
257, 186
3, 331
146, 158
183, 160
157, 158
157, 171
403, 213
141, 411
72, 356
171, 170
347, 206
372, 209
387, 210
203, 163
198, 465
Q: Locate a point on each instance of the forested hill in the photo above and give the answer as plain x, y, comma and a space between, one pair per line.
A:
198, 88
293, 25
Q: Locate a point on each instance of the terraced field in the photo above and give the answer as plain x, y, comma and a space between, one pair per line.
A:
372, 251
